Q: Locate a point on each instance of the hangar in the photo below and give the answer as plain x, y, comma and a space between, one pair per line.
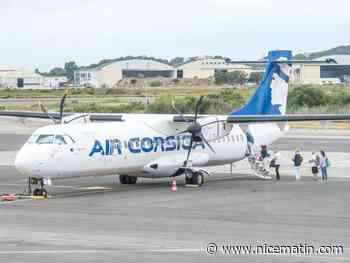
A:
204, 68
110, 74
12, 78
324, 73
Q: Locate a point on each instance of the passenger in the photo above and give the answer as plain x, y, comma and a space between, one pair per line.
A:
250, 143
264, 154
324, 164
297, 161
275, 163
315, 163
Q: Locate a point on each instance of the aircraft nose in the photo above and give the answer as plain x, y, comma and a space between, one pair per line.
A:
23, 163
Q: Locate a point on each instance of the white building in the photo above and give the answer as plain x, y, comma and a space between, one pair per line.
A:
325, 73
54, 82
110, 74
11, 78
204, 68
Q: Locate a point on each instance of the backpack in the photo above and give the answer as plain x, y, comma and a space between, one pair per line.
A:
298, 159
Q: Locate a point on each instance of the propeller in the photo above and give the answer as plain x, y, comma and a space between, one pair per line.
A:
44, 110
195, 129
63, 99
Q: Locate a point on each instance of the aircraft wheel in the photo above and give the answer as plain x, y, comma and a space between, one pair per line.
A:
40, 192
124, 179
37, 192
189, 177
132, 179
198, 179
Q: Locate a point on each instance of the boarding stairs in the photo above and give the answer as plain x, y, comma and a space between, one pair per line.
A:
258, 168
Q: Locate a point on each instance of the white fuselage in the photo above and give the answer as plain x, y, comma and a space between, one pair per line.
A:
141, 145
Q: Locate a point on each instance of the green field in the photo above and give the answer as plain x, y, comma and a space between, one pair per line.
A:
218, 99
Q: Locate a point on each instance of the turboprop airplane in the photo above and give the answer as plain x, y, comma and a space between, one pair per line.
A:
159, 145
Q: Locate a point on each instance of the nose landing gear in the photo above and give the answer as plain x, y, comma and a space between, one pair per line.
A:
40, 191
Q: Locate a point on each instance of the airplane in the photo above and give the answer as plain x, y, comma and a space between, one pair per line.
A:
159, 145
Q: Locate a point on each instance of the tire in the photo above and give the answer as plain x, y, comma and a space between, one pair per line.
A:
132, 179
124, 179
188, 179
44, 193
37, 192
198, 179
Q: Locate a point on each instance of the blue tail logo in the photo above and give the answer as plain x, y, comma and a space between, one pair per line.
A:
270, 98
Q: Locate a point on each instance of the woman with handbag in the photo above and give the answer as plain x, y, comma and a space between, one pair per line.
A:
324, 164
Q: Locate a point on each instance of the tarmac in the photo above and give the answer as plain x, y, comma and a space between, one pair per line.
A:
96, 219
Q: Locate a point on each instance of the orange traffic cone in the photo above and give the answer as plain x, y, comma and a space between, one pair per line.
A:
173, 186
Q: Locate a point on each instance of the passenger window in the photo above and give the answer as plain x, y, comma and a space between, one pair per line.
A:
45, 139
59, 139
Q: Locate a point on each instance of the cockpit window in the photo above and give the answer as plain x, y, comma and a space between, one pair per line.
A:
45, 139
33, 138
59, 139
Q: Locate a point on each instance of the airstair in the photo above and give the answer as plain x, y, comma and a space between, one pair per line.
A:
258, 168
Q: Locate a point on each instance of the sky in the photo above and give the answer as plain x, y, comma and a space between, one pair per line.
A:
47, 33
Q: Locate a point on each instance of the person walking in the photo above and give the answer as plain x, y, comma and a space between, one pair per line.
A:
315, 163
264, 154
275, 163
324, 164
297, 161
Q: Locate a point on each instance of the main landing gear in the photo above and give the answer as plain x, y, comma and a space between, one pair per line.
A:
126, 179
194, 178
40, 191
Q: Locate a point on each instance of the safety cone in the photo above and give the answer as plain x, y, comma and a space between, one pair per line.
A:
173, 186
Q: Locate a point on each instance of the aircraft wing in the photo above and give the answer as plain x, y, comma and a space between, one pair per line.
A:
56, 115
29, 114
287, 118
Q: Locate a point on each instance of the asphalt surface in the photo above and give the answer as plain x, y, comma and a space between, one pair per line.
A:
99, 220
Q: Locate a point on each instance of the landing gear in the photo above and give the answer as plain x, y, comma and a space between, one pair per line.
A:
38, 191
126, 179
194, 178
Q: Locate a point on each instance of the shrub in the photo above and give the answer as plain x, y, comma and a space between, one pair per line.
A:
156, 83
308, 96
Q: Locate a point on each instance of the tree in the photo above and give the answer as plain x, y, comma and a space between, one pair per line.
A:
177, 61
233, 77
70, 67
255, 77
57, 71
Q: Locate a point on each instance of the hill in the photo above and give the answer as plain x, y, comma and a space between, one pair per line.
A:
340, 50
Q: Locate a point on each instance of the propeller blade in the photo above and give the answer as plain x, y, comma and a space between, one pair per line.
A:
179, 112
62, 104
182, 132
189, 151
44, 110
206, 142
197, 108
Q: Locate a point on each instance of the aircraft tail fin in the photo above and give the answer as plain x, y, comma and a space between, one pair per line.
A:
270, 98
